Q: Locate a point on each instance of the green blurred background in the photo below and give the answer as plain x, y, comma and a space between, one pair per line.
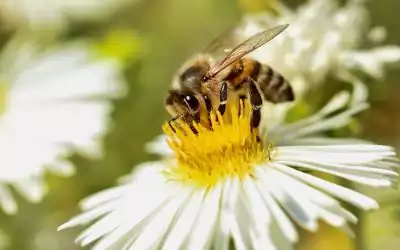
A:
165, 33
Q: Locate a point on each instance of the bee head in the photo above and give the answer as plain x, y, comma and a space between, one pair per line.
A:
180, 102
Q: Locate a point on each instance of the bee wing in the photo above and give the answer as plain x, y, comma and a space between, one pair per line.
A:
246, 47
223, 44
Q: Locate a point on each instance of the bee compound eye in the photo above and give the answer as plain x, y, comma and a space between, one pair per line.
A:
192, 102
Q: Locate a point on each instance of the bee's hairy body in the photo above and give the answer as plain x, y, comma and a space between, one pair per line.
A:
190, 81
202, 84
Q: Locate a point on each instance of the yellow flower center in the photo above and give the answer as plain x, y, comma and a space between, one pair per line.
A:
228, 147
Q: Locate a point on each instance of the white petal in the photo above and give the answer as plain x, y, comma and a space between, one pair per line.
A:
337, 102
159, 146
385, 164
240, 220
306, 191
182, 227
102, 197
89, 216
102, 227
318, 122
115, 223
222, 231
67, 74
279, 216
152, 201
334, 122
322, 141
372, 61
331, 218
35, 154
125, 234
202, 232
345, 194
259, 215
60, 122
360, 92
31, 188
62, 168
154, 232
376, 180
326, 207
299, 208
335, 154
142, 173
53, 91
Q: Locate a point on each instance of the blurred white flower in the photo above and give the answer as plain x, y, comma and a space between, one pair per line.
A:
50, 103
50, 14
322, 38
228, 184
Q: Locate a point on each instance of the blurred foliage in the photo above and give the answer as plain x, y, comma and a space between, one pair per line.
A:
255, 6
121, 44
328, 238
154, 38
3, 91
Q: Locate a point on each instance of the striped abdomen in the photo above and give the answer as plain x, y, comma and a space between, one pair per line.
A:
273, 85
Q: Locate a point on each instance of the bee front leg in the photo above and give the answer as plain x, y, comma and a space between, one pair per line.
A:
173, 120
223, 97
256, 102
188, 119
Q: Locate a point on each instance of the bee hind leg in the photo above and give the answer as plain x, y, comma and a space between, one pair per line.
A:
223, 97
256, 102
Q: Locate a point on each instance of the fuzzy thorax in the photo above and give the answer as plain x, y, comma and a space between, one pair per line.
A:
230, 148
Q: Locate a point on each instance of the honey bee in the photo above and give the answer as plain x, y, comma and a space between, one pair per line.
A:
203, 84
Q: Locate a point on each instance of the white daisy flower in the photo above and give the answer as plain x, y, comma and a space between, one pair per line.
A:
226, 184
45, 14
323, 38
50, 103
